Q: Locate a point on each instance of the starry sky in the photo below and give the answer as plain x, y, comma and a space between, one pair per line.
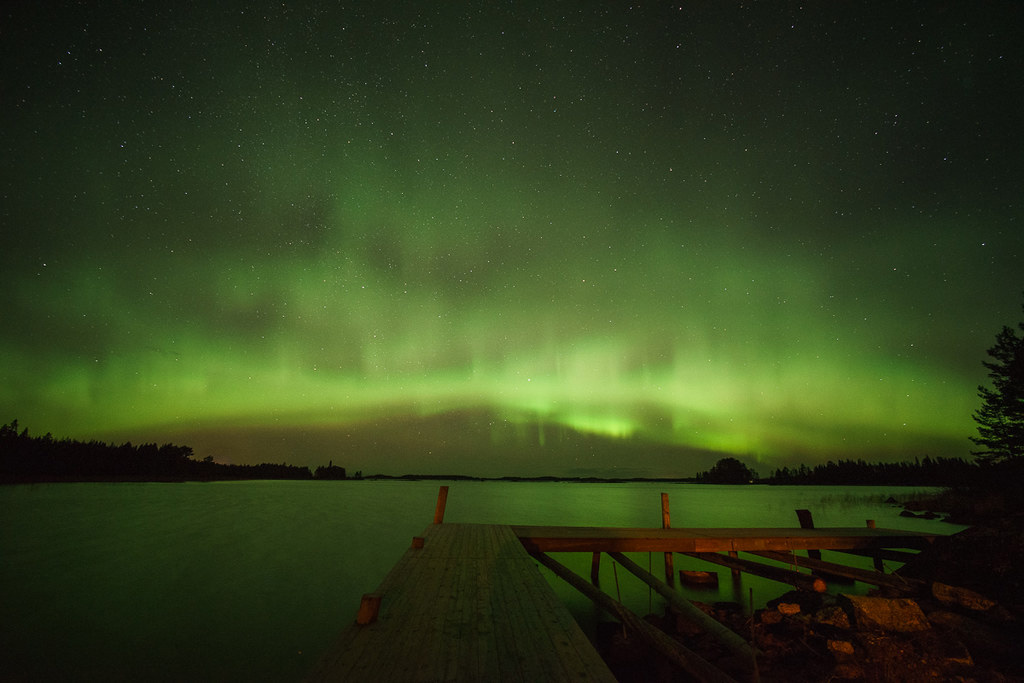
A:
509, 238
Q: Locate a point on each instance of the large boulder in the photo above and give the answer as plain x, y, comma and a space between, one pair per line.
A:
978, 604
985, 559
899, 615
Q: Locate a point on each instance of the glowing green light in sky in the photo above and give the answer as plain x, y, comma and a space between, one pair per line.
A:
317, 343
552, 221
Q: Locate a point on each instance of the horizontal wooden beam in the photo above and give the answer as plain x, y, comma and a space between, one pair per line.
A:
863, 575
622, 539
768, 571
883, 554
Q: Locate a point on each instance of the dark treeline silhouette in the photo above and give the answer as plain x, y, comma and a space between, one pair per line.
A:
727, 471
921, 472
25, 458
332, 471
515, 478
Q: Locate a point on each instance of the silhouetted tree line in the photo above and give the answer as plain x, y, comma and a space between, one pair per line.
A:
922, 472
25, 458
727, 471
949, 472
332, 471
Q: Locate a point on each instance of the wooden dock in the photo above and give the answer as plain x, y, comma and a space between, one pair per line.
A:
469, 605
467, 602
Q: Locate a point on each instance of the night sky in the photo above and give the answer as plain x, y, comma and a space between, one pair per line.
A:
509, 238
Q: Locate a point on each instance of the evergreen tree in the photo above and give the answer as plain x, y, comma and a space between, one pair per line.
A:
1001, 416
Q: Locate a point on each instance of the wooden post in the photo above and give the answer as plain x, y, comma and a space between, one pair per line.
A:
807, 522
877, 559
736, 556
369, 607
670, 577
442, 500
595, 569
417, 542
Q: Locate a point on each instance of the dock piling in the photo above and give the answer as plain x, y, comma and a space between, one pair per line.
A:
442, 500
807, 522
735, 555
876, 558
666, 524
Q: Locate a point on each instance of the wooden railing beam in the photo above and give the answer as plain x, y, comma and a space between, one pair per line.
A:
673, 650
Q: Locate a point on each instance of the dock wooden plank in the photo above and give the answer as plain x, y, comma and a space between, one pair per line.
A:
510, 636
470, 605
622, 539
548, 632
417, 656
568, 643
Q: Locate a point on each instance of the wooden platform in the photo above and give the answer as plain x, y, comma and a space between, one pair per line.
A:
467, 602
470, 605
619, 539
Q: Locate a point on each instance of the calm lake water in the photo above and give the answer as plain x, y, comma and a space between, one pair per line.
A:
251, 581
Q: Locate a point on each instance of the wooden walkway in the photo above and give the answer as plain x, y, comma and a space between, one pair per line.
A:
467, 602
470, 605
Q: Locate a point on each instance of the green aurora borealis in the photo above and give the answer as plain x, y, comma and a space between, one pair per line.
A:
473, 237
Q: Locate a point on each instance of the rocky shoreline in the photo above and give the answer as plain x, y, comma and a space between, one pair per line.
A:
959, 619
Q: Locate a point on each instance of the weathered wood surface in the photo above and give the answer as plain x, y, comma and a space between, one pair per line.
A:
621, 539
802, 581
470, 605
731, 640
882, 553
875, 578
467, 602
667, 646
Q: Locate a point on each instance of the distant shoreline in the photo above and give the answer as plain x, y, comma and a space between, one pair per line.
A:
26, 459
115, 479
130, 479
